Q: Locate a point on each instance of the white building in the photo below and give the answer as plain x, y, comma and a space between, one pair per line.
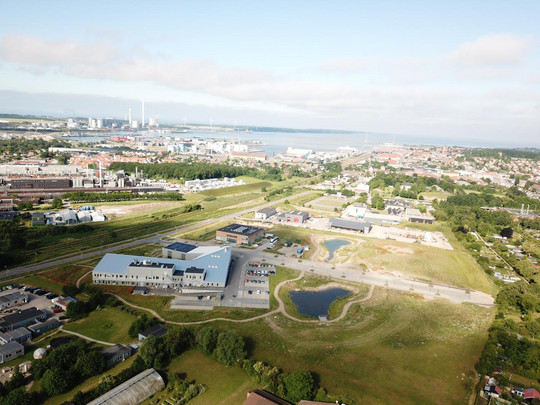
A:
185, 266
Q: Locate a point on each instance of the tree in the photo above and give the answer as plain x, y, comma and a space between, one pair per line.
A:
152, 352
25, 206
56, 380
229, 348
507, 233
90, 363
299, 385
207, 339
76, 310
141, 324
57, 203
525, 268
177, 340
18, 396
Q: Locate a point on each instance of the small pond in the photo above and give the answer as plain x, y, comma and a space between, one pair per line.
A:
333, 245
315, 303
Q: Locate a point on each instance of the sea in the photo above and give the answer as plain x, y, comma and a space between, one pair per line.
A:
273, 143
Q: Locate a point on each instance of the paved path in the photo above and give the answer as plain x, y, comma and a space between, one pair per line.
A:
101, 342
375, 278
279, 309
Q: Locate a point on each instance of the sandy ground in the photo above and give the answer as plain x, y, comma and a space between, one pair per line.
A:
407, 235
129, 209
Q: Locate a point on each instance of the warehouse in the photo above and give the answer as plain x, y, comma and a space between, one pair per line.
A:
42, 327
294, 216
21, 318
10, 351
210, 268
239, 234
265, 213
116, 354
20, 335
133, 391
363, 227
40, 183
13, 299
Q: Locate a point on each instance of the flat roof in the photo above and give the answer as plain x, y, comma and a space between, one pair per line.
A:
240, 229
156, 330
20, 316
16, 333
181, 247
348, 224
10, 347
215, 260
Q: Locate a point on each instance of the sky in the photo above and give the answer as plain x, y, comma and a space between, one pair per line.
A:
463, 70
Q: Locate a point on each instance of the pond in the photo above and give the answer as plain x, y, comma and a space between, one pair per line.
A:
333, 245
315, 303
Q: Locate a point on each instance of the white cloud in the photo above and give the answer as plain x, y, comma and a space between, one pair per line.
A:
495, 49
35, 51
347, 65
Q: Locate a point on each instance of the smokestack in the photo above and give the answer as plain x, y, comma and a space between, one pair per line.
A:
129, 115
142, 125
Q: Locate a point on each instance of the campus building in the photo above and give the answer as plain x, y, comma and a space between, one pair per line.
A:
21, 318
11, 351
298, 217
13, 299
203, 266
239, 234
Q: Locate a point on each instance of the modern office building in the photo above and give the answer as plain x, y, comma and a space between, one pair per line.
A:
239, 234
204, 266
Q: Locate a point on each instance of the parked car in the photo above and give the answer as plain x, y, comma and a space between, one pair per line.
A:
58, 310
250, 292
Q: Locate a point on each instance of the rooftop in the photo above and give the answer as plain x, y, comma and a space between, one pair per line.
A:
20, 316
344, 223
181, 247
240, 229
156, 330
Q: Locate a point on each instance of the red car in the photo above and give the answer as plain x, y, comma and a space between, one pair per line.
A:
58, 310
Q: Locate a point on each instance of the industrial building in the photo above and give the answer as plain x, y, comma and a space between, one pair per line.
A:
41, 184
210, 268
156, 331
13, 299
20, 335
21, 318
351, 225
239, 234
10, 351
116, 354
42, 327
298, 217
414, 215
265, 213
133, 391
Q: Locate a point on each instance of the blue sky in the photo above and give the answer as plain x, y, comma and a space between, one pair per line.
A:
468, 70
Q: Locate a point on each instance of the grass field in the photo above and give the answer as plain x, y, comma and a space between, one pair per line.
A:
106, 324
225, 385
394, 349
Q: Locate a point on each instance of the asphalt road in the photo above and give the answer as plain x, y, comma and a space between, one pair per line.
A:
153, 238
379, 279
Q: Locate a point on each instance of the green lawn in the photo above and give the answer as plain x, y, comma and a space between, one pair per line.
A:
394, 349
225, 385
106, 324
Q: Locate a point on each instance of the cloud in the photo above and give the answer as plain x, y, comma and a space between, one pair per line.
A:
35, 51
495, 49
348, 65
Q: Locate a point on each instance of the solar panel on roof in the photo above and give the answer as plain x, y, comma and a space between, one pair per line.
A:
181, 247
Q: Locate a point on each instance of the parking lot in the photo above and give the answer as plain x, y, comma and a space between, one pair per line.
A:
36, 299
